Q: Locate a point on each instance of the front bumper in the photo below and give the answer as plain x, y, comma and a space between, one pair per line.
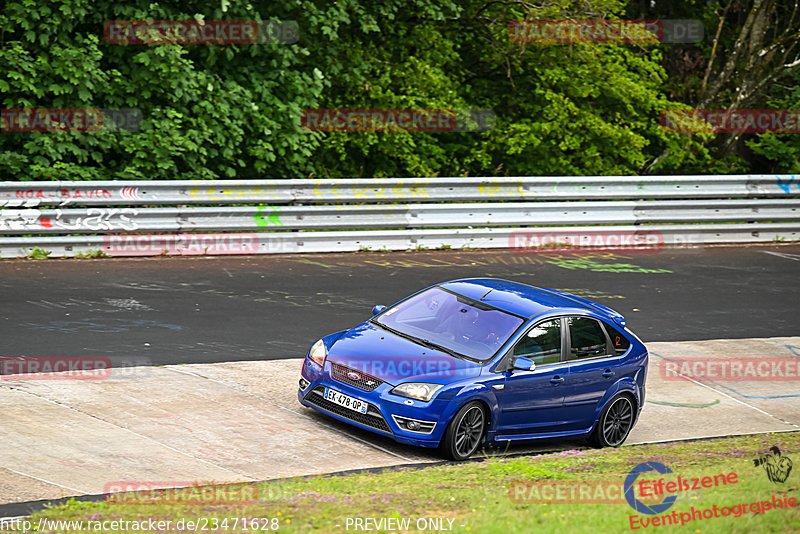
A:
383, 410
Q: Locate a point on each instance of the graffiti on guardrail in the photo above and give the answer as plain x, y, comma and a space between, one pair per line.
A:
64, 195
131, 193
232, 195
505, 191
273, 217
787, 185
94, 219
323, 190
18, 219
415, 189
26, 210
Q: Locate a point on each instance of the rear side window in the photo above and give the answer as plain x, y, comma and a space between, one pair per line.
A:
587, 339
542, 343
618, 341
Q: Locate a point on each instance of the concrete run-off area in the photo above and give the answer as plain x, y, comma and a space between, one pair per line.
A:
240, 421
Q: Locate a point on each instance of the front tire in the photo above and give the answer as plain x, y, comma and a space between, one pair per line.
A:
465, 432
614, 424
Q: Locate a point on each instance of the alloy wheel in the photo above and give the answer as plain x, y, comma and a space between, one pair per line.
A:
618, 421
469, 431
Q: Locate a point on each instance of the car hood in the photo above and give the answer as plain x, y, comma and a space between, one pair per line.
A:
395, 359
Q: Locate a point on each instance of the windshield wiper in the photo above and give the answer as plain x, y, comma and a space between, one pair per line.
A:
424, 342
435, 346
393, 331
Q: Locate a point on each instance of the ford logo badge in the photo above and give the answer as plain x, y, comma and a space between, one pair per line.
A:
352, 375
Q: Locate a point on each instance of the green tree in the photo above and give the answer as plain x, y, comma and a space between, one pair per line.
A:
210, 111
234, 110
748, 59
583, 108
780, 153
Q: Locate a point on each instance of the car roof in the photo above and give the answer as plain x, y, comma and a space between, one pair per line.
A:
527, 301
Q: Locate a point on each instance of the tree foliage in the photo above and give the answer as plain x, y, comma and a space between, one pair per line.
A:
233, 110
210, 111
749, 59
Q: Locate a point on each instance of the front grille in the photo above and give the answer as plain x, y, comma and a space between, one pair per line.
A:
372, 418
364, 381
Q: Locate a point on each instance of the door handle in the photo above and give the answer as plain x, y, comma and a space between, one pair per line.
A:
608, 373
556, 380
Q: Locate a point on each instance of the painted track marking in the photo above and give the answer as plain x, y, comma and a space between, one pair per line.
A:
729, 396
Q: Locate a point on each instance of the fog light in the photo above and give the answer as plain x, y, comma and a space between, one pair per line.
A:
414, 425
303, 384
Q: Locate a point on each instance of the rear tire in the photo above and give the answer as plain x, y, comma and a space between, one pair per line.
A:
614, 424
465, 432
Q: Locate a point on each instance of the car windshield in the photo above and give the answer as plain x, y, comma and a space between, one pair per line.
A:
458, 324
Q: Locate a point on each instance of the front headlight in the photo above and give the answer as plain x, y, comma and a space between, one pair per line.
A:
318, 353
417, 390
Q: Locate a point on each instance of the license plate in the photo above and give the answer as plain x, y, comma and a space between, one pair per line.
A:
345, 400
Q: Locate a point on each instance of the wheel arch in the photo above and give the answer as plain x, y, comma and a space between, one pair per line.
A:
627, 385
481, 394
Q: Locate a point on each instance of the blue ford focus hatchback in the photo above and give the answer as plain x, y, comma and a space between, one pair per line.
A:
483, 360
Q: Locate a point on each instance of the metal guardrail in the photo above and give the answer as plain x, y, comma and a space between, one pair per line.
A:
338, 241
166, 192
316, 217
345, 215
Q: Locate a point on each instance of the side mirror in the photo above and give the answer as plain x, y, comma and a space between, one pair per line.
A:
523, 364
378, 308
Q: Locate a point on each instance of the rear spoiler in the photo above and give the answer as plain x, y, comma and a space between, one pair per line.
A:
605, 310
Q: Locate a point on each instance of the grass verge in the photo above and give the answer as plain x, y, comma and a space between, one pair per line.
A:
480, 497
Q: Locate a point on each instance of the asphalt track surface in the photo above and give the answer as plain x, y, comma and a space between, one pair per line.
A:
161, 311
157, 311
